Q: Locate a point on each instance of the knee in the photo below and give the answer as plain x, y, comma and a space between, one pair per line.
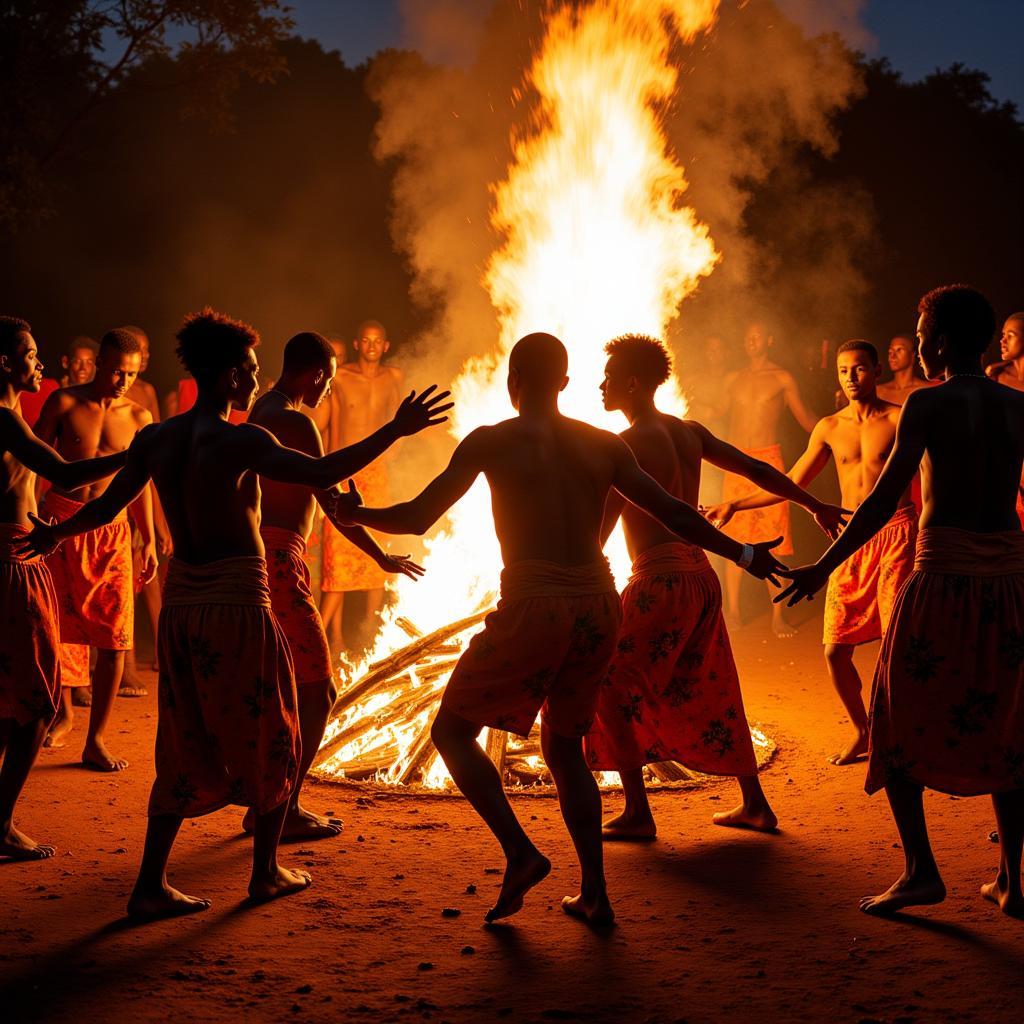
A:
449, 731
838, 655
560, 751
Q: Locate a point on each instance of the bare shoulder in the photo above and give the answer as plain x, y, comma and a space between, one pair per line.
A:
396, 373
63, 399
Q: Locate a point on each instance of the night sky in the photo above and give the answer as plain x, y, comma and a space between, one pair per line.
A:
916, 35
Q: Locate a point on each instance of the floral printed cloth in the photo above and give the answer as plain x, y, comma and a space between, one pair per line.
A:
947, 703
344, 566
759, 524
672, 692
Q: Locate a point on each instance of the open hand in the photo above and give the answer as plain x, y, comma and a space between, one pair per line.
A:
149, 564
42, 540
831, 519
345, 503
765, 565
806, 582
719, 515
401, 565
417, 412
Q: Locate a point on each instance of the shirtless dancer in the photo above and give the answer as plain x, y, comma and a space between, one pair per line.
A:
757, 395
364, 395
93, 575
861, 592
79, 362
227, 730
1011, 373
672, 692
947, 708
549, 641
902, 362
29, 639
286, 520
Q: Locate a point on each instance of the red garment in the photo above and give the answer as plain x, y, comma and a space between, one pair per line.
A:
188, 392
546, 646
759, 524
672, 692
32, 402
947, 703
29, 661
228, 730
292, 602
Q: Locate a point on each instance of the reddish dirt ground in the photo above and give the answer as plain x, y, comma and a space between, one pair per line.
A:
713, 924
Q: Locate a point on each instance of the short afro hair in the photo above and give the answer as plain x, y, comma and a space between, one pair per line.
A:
10, 328
860, 345
540, 359
1019, 317
121, 340
137, 331
961, 314
82, 341
643, 357
308, 351
375, 325
210, 343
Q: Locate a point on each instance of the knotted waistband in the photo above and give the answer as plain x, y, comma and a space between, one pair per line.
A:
676, 556
10, 534
240, 581
535, 577
955, 552
64, 508
276, 538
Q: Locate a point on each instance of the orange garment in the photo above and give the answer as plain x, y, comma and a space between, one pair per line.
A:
29, 638
546, 646
228, 731
759, 524
672, 692
947, 703
344, 566
862, 591
92, 574
292, 602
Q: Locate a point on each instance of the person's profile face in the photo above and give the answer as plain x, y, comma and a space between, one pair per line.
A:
23, 366
613, 386
371, 345
1011, 341
858, 375
322, 389
901, 354
756, 341
246, 381
116, 372
928, 350
81, 365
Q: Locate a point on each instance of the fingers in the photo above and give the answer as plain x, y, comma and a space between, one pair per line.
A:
439, 397
436, 410
773, 543
772, 580
422, 397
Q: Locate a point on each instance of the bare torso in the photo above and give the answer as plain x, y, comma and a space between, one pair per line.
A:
143, 393
756, 401
549, 480
896, 394
974, 451
361, 404
286, 506
670, 451
81, 427
17, 485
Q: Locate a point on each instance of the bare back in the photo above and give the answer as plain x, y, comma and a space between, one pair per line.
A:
974, 450
549, 480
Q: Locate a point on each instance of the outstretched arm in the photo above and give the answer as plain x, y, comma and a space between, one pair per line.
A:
38, 456
419, 514
358, 536
795, 403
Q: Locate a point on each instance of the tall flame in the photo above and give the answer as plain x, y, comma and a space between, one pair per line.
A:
596, 241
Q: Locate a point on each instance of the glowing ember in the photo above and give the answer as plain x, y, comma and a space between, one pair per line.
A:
596, 242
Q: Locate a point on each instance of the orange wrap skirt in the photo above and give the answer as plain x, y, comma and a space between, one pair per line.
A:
29, 636
545, 647
343, 566
92, 574
861, 593
672, 692
228, 731
947, 703
292, 602
759, 524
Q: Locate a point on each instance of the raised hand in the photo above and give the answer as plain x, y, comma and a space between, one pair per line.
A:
417, 412
831, 519
41, 541
719, 515
345, 502
401, 565
805, 583
765, 565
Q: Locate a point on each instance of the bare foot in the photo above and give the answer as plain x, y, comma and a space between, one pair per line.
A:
780, 627
629, 829
81, 696
597, 912
163, 902
854, 752
97, 758
131, 686
998, 892
280, 882
520, 877
906, 891
301, 825
59, 731
16, 845
759, 818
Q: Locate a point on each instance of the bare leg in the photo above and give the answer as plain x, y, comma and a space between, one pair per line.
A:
105, 681
475, 775
733, 585
315, 703
131, 684
65, 720
331, 607
153, 896
1005, 891
846, 680
152, 598
269, 880
920, 884
753, 811
636, 822
580, 801
780, 627
19, 745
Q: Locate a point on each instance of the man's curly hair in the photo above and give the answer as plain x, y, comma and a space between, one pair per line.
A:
960, 313
10, 328
643, 357
210, 343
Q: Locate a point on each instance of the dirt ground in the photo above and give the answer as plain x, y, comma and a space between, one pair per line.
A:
713, 924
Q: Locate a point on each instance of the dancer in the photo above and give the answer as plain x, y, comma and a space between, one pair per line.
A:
227, 730
672, 692
862, 591
549, 641
94, 574
286, 520
947, 708
902, 361
29, 638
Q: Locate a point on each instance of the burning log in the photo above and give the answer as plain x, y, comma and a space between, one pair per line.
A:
419, 754
669, 771
497, 745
